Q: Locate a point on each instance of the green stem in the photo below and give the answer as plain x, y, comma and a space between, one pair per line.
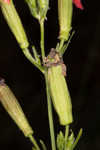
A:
32, 139
31, 59
66, 132
42, 39
66, 135
61, 44
50, 115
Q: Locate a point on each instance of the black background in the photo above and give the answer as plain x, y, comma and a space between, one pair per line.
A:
83, 76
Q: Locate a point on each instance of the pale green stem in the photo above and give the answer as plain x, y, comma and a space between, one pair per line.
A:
50, 115
66, 134
32, 139
42, 39
61, 44
31, 59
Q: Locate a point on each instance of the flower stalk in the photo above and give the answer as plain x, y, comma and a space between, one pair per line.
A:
50, 115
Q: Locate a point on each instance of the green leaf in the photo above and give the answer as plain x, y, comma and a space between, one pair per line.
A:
43, 145
65, 46
77, 138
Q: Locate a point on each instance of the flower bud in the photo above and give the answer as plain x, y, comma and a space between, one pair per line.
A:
6, 1
65, 17
43, 6
78, 4
14, 109
60, 94
33, 8
38, 8
14, 22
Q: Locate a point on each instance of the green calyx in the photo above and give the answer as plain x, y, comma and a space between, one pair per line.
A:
65, 17
69, 141
14, 22
38, 8
12, 106
58, 87
60, 94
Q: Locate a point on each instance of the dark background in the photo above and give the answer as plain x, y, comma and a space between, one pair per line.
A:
83, 76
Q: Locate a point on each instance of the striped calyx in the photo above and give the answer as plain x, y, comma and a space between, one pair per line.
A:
58, 87
38, 8
14, 23
65, 18
12, 106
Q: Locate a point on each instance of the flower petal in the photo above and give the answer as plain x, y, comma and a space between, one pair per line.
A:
7, 1
78, 4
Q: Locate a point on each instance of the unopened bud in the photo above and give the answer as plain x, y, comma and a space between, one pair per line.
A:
14, 22
38, 8
32, 4
12, 106
43, 6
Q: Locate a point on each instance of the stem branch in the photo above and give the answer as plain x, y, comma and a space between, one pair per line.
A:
32, 60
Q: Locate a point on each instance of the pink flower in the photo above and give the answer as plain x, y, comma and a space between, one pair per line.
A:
78, 4
7, 1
